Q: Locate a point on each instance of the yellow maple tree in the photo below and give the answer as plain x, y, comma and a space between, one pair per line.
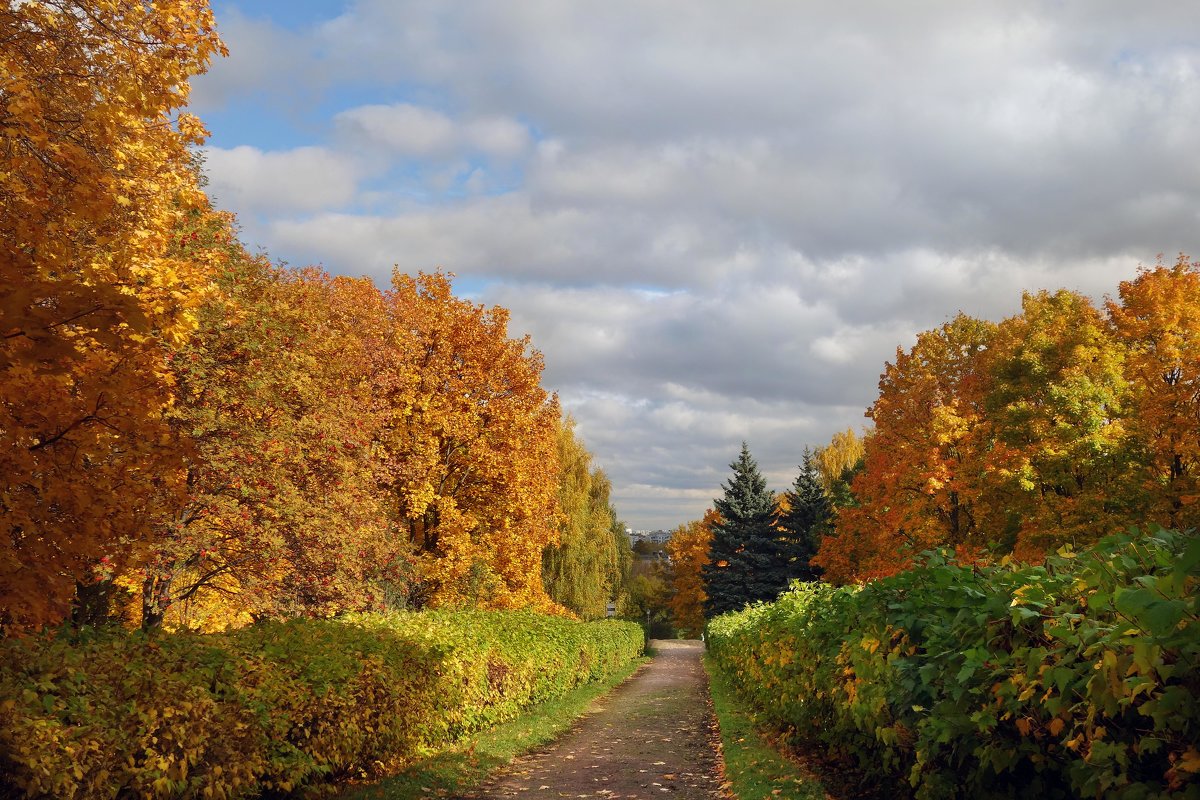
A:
1057, 464
472, 457
94, 174
1157, 320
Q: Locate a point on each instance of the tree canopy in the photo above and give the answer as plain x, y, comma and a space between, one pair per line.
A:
193, 436
1061, 424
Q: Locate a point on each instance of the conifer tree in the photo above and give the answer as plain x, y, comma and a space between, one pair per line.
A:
805, 521
745, 555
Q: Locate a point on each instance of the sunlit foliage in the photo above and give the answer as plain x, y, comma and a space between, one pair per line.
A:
94, 176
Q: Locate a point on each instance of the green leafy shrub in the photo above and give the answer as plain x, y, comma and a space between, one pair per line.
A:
1077, 678
279, 705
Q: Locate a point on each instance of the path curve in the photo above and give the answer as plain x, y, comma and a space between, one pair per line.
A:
652, 737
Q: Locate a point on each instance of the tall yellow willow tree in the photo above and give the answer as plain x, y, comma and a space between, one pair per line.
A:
94, 173
585, 570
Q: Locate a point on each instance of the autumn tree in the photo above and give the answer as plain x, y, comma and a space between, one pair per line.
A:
94, 173
585, 570
837, 463
1056, 427
919, 481
647, 596
688, 550
1157, 321
1058, 464
472, 463
745, 559
281, 400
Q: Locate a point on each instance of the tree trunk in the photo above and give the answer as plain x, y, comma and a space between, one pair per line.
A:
154, 602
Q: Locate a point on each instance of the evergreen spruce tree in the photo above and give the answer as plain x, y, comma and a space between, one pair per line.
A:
807, 519
745, 557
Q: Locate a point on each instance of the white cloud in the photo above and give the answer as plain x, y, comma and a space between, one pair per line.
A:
411, 131
266, 61
719, 220
502, 137
305, 179
402, 128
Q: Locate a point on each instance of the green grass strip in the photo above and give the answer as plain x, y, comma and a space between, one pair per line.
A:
754, 770
463, 767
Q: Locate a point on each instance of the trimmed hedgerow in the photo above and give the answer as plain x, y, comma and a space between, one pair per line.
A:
278, 705
1076, 678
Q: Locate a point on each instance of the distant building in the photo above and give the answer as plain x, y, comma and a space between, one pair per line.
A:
658, 537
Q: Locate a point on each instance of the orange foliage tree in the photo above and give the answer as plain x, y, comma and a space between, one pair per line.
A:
1056, 427
230, 438
918, 485
94, 174
688, 550
1158, 322
473, 461
277, 414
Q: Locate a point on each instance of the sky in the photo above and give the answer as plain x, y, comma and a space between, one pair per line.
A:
716, 220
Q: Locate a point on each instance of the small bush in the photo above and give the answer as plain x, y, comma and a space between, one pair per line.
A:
1077, 678
279, 705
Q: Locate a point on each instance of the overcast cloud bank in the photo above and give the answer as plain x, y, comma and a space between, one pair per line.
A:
716, 220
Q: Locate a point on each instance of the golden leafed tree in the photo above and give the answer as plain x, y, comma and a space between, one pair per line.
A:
94, 175
1057, 459
837, 460
473, 459
688, 551
282, 394
1157, 320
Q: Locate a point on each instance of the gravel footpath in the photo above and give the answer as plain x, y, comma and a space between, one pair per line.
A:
652, 737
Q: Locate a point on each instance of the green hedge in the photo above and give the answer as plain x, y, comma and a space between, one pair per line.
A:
1078, 678
278, 705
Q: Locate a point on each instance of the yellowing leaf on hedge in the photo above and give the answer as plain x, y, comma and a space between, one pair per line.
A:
1056, 726
1023, 726
1189, 761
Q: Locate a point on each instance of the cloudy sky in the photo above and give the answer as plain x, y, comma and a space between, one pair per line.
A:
717, 220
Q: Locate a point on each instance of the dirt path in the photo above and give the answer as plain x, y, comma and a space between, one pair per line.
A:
650, 738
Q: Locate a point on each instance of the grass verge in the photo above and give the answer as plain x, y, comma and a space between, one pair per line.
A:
463, 767
754, 770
